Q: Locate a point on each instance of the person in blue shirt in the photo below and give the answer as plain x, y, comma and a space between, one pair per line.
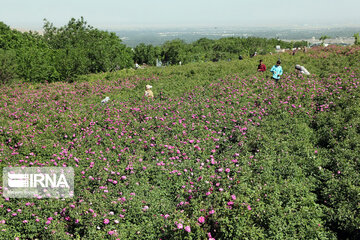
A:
277, 71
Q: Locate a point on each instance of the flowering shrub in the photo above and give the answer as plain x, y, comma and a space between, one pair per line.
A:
235, 157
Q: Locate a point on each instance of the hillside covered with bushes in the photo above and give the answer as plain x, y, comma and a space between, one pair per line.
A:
64, 53
221, 152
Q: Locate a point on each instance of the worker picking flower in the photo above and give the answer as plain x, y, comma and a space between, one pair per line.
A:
148, 92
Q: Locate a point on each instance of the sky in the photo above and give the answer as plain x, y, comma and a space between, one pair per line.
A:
147, 14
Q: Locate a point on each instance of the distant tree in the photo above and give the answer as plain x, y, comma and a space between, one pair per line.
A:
213, 50
33, 56
13, 39
146, 54
140, 53
300, 44
357, 39
9, 39
204, 43
7, 66
323, 38
82, 49
174, 51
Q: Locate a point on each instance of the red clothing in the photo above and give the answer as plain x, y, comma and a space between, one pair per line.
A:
262, 68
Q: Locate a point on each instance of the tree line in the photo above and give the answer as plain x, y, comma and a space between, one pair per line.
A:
61, 54
204, 49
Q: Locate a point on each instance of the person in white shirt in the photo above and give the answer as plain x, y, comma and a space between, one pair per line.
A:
302, 69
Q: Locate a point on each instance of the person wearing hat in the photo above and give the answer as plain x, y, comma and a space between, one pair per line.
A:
277, 71
148, 92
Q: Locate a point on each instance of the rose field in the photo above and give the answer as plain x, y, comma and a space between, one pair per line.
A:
221, 152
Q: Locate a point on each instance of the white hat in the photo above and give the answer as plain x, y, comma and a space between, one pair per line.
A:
148, 86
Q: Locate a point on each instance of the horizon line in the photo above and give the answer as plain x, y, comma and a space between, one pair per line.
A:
172, 26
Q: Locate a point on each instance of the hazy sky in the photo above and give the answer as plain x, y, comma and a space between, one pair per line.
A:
113, 14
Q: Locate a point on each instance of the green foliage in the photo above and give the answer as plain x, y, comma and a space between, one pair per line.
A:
33, 55
9, 39
300, 44
323, 38
77, 48
146, 54
13, 39
202, 50
7, 66
88, 50
357, 39
174, 51
35, 64
66, 52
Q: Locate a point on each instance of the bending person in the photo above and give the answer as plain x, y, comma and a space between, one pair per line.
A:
302, 69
